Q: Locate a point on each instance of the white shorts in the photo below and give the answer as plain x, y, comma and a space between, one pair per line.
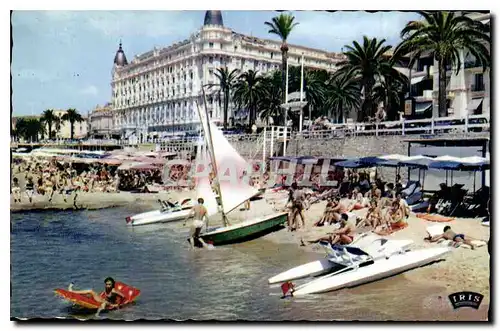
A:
197, 224
196, 228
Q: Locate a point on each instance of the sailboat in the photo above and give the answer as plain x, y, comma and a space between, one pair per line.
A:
228, 165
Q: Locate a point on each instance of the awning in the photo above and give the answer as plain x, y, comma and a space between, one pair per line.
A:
416, 80
423, 106
474, 104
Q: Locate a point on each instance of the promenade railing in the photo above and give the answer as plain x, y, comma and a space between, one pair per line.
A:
471, 123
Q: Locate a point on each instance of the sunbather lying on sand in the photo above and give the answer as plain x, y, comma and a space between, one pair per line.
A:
449, 234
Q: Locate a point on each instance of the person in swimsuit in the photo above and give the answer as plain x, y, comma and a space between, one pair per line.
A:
337, 210
16, 190
30, 186
198, 212
327, 214
343, 236
449, 234
373, 216
109, 297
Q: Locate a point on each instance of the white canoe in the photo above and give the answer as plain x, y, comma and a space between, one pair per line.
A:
167, 216
378, 248
381, 268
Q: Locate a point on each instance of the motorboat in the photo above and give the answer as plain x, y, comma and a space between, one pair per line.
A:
361, 267
185, 204
379, 246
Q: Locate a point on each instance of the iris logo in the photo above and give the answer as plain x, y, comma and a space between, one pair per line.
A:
466, 299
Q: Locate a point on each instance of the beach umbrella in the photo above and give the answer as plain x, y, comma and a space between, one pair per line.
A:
353, 163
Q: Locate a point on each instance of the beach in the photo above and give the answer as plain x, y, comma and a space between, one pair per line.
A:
461, 270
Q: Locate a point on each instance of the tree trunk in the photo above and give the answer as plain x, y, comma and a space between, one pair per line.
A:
50, 130
226, 106
72, 126
284, 60
443, 111
340, 113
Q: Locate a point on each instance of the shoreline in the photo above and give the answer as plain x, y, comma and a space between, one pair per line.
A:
87, 201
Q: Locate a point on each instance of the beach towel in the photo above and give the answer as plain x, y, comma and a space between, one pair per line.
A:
434, 217
435, 230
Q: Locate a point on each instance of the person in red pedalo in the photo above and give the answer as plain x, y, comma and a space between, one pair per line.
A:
109, 297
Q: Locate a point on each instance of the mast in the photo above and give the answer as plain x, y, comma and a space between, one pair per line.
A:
208, 138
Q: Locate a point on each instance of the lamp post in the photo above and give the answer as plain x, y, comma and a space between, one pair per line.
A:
302, 92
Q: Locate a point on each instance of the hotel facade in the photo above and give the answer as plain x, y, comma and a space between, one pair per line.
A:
156, 93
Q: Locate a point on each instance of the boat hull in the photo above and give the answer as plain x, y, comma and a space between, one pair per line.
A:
379, 269
323, 266
162, 218
146, 214
245, 231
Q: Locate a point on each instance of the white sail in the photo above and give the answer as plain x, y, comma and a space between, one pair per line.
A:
234, 188
203, 187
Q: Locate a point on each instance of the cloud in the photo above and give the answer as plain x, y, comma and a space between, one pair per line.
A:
90, 90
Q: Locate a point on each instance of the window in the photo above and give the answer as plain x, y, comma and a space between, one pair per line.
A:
211, 45
272, 54
478, 84
210, 60
210, 72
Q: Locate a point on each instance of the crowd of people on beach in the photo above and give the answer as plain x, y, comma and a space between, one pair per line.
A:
386, 209
49, 177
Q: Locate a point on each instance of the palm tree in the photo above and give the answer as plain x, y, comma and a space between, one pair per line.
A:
248, 91
315, 86
58, 121
49, 118
29, 129
390, 87
343, 94
445, 35
364, 62
269, 105
282, 26
227, 79
72, 116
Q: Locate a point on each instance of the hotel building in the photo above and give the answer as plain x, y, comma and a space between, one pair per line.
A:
156, 93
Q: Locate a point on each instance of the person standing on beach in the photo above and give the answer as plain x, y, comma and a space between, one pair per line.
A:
30, 186
198, 212
298, 199
16, 190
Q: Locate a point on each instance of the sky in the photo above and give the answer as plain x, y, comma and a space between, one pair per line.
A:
63, 59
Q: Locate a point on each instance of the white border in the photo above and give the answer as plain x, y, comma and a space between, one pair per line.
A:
183, 5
